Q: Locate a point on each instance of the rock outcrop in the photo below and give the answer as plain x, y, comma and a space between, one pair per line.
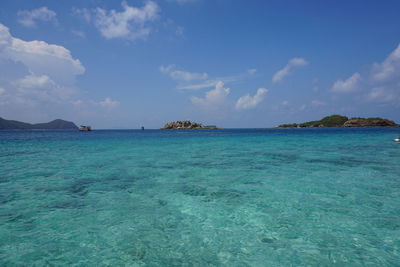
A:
371, 122
186, 125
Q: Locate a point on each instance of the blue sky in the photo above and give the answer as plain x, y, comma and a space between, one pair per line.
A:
127, 64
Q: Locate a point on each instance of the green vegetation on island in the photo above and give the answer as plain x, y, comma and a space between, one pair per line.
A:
182, 125
52, 125
342, 121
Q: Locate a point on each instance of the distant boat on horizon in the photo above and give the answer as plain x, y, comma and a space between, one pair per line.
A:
85, 128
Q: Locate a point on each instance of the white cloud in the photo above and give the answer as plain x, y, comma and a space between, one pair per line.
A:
180, 30
38, 77
383, 95
293, 63
213, 97
389, 68
182, 2
39, 89
212, 82
318, 103
28, 18
205, 84
349, 85
83, 13
33, 81
182, 75
77, 102
78, 33
248, 102
40, 57
251, 71
109, 103
131, 23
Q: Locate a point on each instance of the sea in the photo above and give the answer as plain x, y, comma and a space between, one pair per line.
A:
229, 197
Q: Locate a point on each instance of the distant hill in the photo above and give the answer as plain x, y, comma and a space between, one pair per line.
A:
52, 125
342, 121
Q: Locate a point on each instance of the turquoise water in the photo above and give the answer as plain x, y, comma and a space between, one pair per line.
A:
290, 197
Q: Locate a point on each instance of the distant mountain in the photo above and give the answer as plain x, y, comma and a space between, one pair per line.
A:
52, 125
342, 121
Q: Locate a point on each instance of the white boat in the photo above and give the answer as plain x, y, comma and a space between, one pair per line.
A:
85, 128
397, 139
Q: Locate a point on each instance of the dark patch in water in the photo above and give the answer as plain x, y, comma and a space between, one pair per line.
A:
194, 190
12, 216
283, 157
162, 202
121, 181
211, 195
343, 161
7, 197
267, 240
226, 193
18, 153
78, 189
68, 204
48, 189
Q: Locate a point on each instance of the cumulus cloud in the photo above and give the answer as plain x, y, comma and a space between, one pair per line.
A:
37, 77
28, 18
213, 97
249, 102
293, 63
182, 75
40, 57
40, 89
389, 68
349, 85
131, 23
108, 103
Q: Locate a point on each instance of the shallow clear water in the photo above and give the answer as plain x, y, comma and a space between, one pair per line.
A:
290, 197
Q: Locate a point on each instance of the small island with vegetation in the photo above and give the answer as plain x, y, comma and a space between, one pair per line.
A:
335, 121
182, 125
52, 125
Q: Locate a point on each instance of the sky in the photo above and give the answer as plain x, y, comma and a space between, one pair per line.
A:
230, 63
